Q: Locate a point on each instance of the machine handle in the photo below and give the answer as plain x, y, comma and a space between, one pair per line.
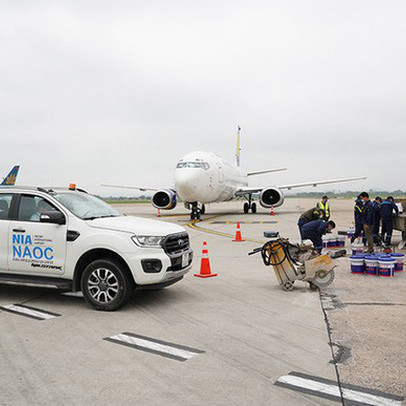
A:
255, 251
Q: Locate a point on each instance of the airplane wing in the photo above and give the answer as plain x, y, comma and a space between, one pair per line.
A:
266, 171
251, 190
321, 182
142, 189
248, 191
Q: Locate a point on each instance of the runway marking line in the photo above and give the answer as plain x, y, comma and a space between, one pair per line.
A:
28, 311
244, 222
328, 389
207, 230
154, 346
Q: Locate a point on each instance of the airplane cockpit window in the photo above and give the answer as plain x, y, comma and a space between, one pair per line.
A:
194, 165
202, 165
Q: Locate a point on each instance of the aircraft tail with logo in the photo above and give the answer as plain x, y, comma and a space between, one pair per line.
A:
10, 179
238, 151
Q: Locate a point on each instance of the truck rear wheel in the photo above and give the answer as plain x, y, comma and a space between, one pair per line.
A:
106, 285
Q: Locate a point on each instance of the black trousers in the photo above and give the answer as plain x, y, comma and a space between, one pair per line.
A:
387, 230
375, 230
358, 231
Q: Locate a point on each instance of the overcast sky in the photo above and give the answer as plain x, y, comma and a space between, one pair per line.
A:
117, 91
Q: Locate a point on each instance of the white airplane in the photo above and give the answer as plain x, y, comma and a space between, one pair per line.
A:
204, 177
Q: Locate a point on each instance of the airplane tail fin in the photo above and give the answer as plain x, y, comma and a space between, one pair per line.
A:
238, 151
10, 179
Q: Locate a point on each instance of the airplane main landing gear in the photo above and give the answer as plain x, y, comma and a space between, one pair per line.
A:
250, 206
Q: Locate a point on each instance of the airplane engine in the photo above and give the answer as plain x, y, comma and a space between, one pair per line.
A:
164, 199
271, 197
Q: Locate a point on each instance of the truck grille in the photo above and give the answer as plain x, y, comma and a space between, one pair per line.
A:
176, 243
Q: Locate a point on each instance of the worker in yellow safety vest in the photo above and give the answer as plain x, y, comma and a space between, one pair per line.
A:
325, 206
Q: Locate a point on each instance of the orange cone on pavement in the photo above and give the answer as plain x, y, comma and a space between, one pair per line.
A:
205, 271
158, 214
238, 236
272, 212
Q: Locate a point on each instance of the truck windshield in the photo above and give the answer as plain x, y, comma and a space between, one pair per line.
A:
86, 207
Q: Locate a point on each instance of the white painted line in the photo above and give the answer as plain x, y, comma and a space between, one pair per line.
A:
333, 390
29, 312
158, 347
72, 294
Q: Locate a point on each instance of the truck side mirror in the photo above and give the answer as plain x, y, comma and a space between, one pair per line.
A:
53, 217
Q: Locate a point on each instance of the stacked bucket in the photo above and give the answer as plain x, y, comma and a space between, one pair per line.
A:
333, 241
379, 264
384, 265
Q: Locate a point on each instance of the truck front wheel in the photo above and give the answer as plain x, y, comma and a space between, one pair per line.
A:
106, 285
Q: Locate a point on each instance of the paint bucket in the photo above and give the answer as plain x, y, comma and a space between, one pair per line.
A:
399, 258
331, 241
350, 232
357, 249
340, 241
371, 265
386, 266
357, 264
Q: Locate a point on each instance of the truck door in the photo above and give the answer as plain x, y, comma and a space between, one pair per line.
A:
36, 248
5, 203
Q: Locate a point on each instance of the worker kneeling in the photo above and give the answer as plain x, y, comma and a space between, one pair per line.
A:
314, 231
308, 216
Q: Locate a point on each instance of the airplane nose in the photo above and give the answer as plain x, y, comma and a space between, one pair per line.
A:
187, 184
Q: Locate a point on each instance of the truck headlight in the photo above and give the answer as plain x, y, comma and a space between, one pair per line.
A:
147, 241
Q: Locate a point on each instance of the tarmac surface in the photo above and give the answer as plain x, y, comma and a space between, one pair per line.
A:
248, 332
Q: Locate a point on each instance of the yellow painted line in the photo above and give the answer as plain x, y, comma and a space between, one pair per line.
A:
245, 222
174, 215
194, 226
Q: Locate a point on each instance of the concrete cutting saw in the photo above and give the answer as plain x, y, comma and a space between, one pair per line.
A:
292, 262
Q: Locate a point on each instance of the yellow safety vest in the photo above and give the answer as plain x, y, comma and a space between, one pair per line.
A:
325, 207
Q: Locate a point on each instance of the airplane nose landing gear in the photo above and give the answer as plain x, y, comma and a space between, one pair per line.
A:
197, 211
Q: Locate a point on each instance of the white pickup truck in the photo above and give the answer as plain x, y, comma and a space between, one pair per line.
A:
73, 241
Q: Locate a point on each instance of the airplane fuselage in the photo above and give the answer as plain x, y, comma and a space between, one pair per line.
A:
207, 178
204, 177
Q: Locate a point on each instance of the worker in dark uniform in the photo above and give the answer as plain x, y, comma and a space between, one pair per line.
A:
387, 208
368, 221
358, 212
310, 215
314, 231
377, 219
325, 206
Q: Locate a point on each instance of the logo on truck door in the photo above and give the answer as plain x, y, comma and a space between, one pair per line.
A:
34, 249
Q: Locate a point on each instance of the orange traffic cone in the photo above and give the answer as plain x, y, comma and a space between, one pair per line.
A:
238, 236
158, 214
205, 271
272, 212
